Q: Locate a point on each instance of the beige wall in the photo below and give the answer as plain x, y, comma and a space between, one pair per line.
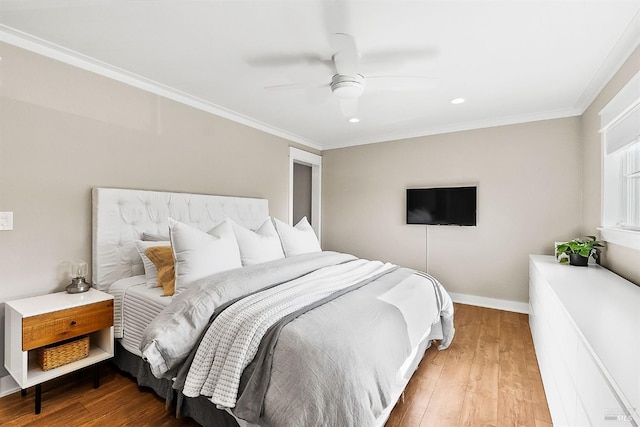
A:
64, 130
623, 261
529, 195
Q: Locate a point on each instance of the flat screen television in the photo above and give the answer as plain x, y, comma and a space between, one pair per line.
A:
442, 206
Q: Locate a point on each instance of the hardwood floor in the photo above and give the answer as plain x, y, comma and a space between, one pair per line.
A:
488, 377
72, 401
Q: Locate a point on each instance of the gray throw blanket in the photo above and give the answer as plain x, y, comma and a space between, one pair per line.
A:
232, 341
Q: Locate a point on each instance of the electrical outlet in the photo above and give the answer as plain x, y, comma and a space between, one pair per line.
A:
6, 221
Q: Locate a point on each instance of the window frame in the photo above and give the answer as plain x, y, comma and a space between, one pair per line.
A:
615, 188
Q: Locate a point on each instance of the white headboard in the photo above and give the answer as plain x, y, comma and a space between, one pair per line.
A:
121, 216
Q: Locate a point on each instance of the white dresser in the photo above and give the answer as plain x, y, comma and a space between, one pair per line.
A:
585, 323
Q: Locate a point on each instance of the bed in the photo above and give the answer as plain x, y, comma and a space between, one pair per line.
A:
333, 339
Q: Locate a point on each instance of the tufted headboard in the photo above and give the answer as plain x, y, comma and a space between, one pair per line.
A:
121, 216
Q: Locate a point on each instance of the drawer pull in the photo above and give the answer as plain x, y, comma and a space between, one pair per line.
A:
73, 322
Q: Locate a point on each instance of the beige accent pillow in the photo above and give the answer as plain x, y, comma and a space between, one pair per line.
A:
150, 270
162, 258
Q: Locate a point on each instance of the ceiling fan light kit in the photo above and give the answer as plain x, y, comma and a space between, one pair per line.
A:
347, 86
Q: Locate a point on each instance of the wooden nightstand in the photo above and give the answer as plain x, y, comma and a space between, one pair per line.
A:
35, 322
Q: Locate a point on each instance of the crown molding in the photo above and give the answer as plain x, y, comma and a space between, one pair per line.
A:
459, 127
622, 50
624, 47
76, 59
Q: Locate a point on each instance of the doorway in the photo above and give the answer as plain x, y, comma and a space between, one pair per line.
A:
305, 176
301, 192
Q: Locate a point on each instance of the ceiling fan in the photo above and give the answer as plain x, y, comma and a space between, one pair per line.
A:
347, 83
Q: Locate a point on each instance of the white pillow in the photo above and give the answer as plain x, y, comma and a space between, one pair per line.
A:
198, 254
297, 240
150, 270
258, 246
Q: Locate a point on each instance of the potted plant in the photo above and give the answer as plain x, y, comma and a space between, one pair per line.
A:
579, 250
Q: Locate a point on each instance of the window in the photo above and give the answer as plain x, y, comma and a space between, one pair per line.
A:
632, 186
620, 121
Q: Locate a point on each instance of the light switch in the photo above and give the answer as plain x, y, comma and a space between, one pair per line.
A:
6, 221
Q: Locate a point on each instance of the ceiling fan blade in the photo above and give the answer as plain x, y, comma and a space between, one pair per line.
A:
297, 86
314, 93
349, 107
400, 83
346, 55
281, 60
318, 94
396, 57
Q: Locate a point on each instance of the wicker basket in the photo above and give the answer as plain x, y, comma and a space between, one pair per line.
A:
64, 352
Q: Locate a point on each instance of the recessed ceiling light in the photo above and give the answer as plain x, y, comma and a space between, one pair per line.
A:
354, 120
457, 101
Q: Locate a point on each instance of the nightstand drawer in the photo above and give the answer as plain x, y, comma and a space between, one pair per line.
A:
48, 328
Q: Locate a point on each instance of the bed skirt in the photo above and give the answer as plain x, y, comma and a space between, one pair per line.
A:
205, 413
199, 409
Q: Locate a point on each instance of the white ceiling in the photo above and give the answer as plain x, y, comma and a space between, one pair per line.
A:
512, 60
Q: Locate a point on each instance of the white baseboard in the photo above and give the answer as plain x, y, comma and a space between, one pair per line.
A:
8, 386
498, 304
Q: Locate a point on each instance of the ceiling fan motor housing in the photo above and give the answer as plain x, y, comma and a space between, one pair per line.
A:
347, 86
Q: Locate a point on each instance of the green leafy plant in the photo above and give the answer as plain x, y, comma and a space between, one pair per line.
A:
585, 247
